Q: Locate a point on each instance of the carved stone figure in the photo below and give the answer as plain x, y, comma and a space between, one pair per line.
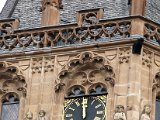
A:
119, 113
28, 116
42, 115
55, 3
146, 113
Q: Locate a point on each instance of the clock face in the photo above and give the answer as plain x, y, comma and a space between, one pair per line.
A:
85, 108
73, 109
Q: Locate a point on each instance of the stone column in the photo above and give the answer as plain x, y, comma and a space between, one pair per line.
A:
50, 12
138, 7
21, 108
134, 88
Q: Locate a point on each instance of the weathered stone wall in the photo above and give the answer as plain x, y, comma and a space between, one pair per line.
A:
132, 88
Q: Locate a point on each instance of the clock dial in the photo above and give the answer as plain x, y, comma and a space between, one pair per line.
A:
73, 109
85, 108
96, 108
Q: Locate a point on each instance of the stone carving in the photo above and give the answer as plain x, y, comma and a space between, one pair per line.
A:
124, 55
7, 27
84, 68
37, 65
59, 87
152, 33
55, 3
146, 59
12, 79
119, 113
146, 113
156, 81
75, 91
69, 35
49, 64
157, 61
42, 115
28, 116
89, 17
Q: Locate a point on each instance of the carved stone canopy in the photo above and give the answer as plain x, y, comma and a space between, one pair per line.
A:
85, 69
11, 79
156, 82
55, 3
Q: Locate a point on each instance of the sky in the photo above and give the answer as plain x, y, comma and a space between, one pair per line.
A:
2, 2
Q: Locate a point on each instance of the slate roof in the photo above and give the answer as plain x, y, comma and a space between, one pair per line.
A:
28, 11
8, 9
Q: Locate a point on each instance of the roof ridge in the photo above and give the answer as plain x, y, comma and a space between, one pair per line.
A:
6, 13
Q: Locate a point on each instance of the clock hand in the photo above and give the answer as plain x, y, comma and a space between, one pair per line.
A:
84, 105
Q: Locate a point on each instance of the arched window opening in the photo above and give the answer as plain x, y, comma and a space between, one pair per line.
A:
91, 105
98, 90
76, 91
10, 107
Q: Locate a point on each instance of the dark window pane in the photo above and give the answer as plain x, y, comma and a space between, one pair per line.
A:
10, 109
157, 109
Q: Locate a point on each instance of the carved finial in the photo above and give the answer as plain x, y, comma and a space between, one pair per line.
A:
119, 113
42, 115
50, 12
55, 3
146, 113
58, 87
28, 116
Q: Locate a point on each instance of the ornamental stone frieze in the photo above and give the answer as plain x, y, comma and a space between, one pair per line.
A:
109, 31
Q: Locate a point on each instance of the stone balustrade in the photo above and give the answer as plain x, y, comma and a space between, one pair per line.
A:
92, 31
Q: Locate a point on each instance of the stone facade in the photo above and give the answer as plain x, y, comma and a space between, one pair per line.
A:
132, 88
45, 68
43, 78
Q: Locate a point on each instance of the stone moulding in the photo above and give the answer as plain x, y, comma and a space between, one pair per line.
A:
86, 65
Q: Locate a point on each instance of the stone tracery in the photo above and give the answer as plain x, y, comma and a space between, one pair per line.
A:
12, 79
156, 81
86, 69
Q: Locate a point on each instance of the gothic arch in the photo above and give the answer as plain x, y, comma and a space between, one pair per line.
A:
11, 80
86, 69
12, 84
155, 92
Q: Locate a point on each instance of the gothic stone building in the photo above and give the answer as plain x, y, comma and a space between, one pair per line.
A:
80, 60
